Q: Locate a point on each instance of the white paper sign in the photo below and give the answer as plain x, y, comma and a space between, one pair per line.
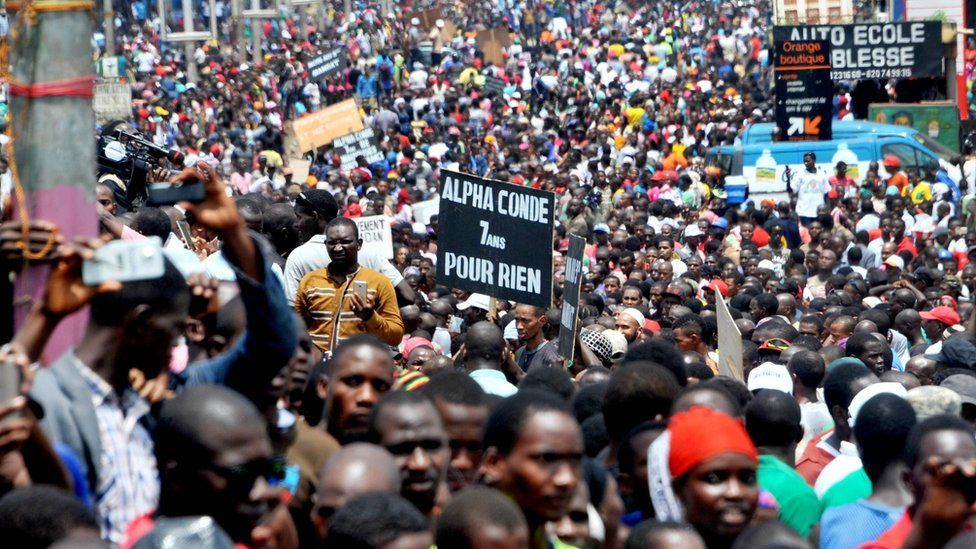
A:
376, 234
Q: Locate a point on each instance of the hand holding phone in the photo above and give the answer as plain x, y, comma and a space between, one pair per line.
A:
125, 261
185, 186
360, 288
362, 305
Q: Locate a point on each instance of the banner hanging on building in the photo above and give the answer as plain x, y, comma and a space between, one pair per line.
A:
804, 90
495, 238
874, 50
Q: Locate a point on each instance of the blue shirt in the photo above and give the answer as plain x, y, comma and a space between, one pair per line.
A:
493, 382
855, 523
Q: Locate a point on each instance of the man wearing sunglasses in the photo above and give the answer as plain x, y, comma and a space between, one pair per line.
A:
215, 460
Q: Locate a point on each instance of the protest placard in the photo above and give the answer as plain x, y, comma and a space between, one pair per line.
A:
326, 64
495, 238
571, 296
423, 211
362, 143
493, 42
113, 101
377, 235
729, 342
322, 127
299, 169
494, 84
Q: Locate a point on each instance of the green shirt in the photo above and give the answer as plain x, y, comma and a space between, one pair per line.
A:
799, 506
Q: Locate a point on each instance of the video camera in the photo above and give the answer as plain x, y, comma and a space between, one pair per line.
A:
130, 157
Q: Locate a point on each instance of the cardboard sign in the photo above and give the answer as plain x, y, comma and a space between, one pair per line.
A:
363, 143
299, 169
493, 42
804, 91
571, 297
874, 50
729, 342
423, 211
322, 127
113, 101
377, 235
495, 238
327, 64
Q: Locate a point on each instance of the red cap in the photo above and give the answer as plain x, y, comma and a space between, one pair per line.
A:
718, 285
945, 315
891, 161
700, 433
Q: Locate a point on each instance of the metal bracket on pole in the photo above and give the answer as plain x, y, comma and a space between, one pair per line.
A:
188, 34
271, 9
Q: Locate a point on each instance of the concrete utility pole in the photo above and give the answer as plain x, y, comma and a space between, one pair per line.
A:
192, 74
257, 34
54, 145
303, 22
237, 21
108, 22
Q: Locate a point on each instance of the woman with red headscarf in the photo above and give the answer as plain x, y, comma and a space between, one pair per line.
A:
702, 471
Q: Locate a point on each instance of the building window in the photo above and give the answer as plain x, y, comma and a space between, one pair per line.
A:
813, 16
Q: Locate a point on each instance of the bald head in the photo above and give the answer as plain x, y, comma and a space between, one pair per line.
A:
922, 367
198, 416
866, 326
484, 342
787, 305
354, 470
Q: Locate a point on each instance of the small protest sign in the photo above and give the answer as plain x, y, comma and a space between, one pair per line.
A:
327, 64
362, 143
113, 101
376, 234
729, 342
322, 127
571, 296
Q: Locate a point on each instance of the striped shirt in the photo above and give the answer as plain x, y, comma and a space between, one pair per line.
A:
128, 483
326, 307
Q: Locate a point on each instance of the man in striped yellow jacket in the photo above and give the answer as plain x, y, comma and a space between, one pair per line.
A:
328, 301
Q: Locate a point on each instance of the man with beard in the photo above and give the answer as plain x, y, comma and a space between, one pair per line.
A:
533, 453
406, 423
358, 374
330, 301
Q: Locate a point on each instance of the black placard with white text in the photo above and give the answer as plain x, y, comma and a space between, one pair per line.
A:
327, 64
875, 50
571, 296
804, 91
362, 143
495, 238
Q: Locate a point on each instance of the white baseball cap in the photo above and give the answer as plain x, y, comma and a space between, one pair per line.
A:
475, 300
770, 375
692, 230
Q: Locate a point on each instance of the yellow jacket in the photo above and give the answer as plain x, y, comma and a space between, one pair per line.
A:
320, 300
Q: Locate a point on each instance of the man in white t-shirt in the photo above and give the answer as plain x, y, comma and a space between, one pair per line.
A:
810, 185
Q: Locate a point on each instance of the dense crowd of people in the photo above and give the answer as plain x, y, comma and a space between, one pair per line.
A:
279, 384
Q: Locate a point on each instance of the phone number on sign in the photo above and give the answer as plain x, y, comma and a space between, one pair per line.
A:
859, 74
